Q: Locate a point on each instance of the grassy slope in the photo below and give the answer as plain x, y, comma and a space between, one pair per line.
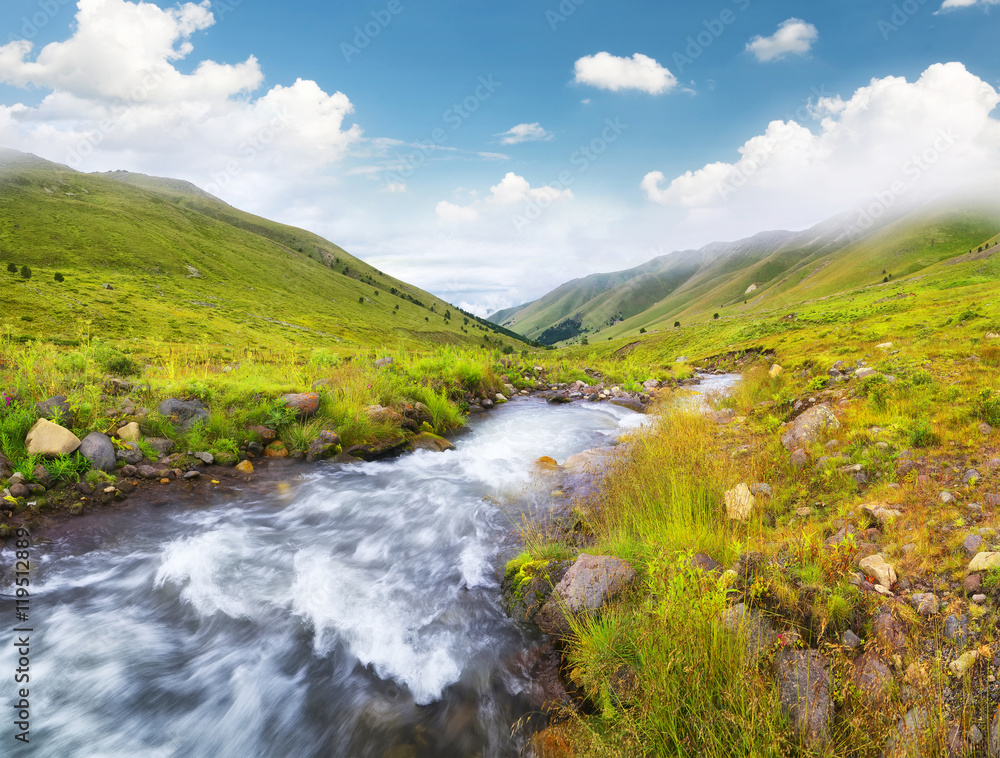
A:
258, 282
787, 268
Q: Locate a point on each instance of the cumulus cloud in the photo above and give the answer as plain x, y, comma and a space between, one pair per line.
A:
950, 4
610, 72
524, 133
514, 189
793, 37
455, 214
117, 97
892, 139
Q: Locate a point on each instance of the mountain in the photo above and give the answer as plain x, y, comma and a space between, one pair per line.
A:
161, 259
767, 270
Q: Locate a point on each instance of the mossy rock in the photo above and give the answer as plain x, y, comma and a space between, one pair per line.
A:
527, 585
226, 459
6, 530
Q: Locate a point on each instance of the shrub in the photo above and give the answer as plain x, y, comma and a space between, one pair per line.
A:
988, 408
677, 324
922, 434
25, 272
12, 268
59, 277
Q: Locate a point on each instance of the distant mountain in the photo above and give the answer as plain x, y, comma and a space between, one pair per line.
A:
179, 262
763, 271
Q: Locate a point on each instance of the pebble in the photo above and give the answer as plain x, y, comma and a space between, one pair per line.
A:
979, 599
947, 497
192, 474
851, 640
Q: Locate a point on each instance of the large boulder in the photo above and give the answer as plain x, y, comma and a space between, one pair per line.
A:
528, 585
99, 450
984, 561
588, 584
184, 413
805, 694
56, 409
432, 442
326, 445
305, 404
808, 426
374, 451
50, 440
739, 503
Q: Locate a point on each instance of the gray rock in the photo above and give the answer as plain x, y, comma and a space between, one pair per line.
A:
947, 497
161, 445
56, 409
871, 675
131, 454
850, 640
956, 629
889, 630
760, 489
524, 593
42, 476
915, 735
207, 458
864, 373
808, 426
19, 491
805, 694
148, 472
629, 402
588, 584
972, 544
925, 603
972, 584
323, 447
800, 458
971, 477
99, 450
185, 414
383, 362
756, 631
128, 471
192, 475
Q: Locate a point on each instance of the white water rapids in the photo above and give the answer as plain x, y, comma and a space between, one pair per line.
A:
351, 612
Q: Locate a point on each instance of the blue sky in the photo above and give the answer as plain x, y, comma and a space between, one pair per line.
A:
490, 151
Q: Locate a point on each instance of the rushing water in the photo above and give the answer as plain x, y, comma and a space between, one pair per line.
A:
353, 611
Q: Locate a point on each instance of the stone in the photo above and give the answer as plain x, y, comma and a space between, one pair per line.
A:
984, 561
971, 477
305, 404
775, 371
871, 675
805, 692
326, 445
56, 409
880, 513
964, 663
42, 476
723, 417
946, 497
432, 442
850, 640
383, 362
705, 563
889, 630
388, 416
925, 603
972, 543
148, 472
131, 454
51, 440
876, 566
757, 633
914, 736
161, 445
129, 433
972, 584
884, 346
956, 628
985, 429
629, 402
129, 470
244, 467
864, 373
19, 491
588, 584
185, 414
806, 428
739, 503
525, 592
905, 467
760, 489
979, 599
265, 435
207, 458
375, 451
799, 458
6, 467
192, 475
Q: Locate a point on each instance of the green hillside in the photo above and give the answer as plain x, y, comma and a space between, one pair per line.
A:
743, 278
161, 260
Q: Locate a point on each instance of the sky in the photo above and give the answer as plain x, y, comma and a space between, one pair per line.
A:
489, 152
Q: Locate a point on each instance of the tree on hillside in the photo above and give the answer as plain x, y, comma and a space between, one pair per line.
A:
60, 277
677, 324
12, 268
25, 272
715, 316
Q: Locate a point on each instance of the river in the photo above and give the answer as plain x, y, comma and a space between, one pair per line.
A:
352, 611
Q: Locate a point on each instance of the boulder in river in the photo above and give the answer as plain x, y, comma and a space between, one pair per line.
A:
588, 584
326, 445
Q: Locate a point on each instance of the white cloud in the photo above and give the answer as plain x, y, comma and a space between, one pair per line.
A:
950, 4
514, 189
892, 139
118, 99
793, 37
610, 72
524, 133
394, 188
455, 214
